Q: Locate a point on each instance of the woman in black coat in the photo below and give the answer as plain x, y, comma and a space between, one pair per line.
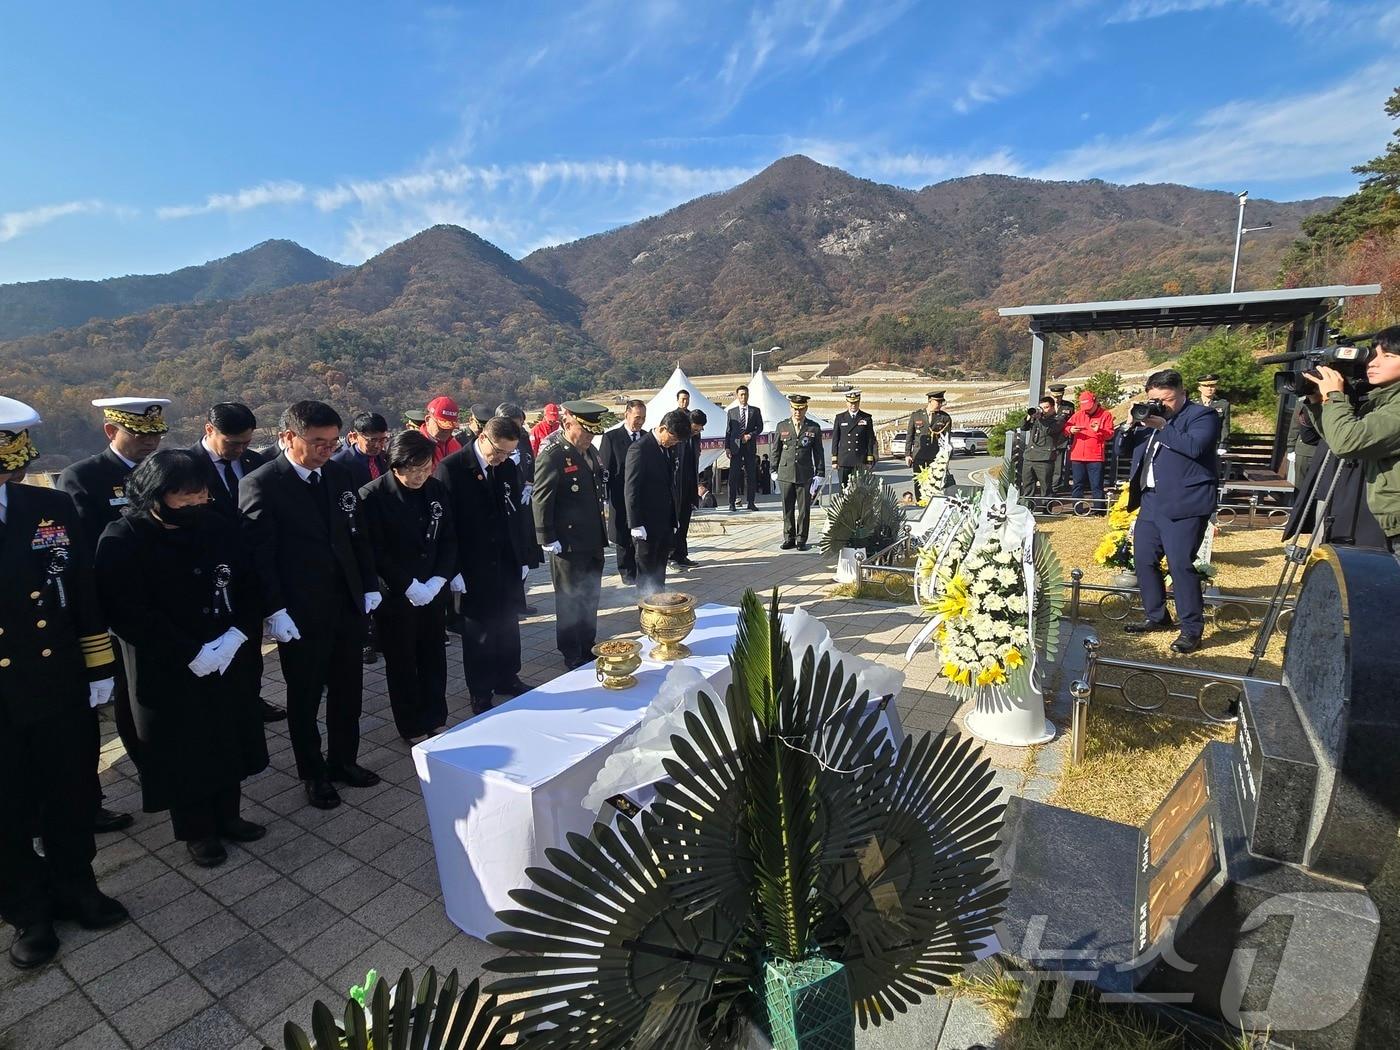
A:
409, 520
177, 587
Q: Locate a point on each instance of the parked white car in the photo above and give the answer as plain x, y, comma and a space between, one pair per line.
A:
899, 443
969, 442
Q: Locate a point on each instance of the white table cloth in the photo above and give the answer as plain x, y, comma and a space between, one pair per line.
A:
506, 785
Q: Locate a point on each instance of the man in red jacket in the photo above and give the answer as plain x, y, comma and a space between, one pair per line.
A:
1089, 430
546, 426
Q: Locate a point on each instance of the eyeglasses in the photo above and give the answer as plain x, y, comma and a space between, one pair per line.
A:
497, 452
318, 445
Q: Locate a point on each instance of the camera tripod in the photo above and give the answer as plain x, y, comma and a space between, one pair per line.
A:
1297, 555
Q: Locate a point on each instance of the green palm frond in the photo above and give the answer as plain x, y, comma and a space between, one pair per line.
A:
1049, 597
612, 960
863, 513
423, 1020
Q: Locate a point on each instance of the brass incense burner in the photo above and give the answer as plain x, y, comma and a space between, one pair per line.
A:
617, 660
667, 617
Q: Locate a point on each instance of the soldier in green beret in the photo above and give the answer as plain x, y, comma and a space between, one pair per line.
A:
569, 499
800, 464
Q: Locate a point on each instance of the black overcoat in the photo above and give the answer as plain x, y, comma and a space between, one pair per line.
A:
412, 533
488, 538
167, 592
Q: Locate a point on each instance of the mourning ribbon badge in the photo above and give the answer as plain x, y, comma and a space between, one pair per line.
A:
347, 504
58, 565
434, 520
223, 576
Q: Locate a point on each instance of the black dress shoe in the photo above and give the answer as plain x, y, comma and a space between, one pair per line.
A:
530, 610
240, 830
368, 655
733, 509
802, 546
207, 853
515, 687
1146, 626
752, 507
480, 705
1186, 643
109, 820
271, 712
355, 775
789, 544
321, 794
684, 563
92, 908
34, 945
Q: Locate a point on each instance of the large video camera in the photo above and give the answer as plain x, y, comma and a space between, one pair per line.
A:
1350, 360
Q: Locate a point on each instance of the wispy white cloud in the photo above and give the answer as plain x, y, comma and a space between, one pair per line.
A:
1304, 136
1022, 57
1293, 12
241, 200
16, 223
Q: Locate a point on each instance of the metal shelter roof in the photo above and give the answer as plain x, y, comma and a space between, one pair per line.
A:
1185, 311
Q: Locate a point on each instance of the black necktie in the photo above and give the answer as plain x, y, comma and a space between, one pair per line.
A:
230, 478
635, 435
319, 495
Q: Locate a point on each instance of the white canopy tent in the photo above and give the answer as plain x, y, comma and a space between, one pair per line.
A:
774, 405
664, 400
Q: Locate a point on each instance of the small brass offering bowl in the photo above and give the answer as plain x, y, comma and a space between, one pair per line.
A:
617, 660
667, 617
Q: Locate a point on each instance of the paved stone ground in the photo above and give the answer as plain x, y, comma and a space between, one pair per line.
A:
222, 957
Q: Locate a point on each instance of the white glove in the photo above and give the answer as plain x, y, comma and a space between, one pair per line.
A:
280, 628
816, 484
434, 585
524, 571
372, 600
100, 691
554, 548
526, 494
207, 659
227, 646
457, 584
639, 533
417, 593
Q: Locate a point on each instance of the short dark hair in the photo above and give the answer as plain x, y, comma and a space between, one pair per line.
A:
410, 448
369, 423
499, 428
677, 422
1166, 379
742, 386
681, 391
634, 402
303, 415
230, 417
698, 418
164, 471
1388, 340
1047, 400
510, 410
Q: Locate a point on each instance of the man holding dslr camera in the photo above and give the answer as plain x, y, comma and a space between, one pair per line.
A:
1042, 440
1173, 487
1370, 431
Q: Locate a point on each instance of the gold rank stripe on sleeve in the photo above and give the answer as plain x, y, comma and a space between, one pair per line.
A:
97, 650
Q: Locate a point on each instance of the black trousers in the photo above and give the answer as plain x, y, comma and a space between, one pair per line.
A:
680, 546
415, 662
46, 781
651, 566
744, 462
797, 510
626, 561
490, 644
121, 709
205, 818
578, 585
845, 473
326, 659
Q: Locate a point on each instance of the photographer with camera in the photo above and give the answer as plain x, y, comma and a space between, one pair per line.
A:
1173, 488
1368, 431
1041, 440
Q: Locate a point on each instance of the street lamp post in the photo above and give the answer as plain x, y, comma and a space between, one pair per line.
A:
755, 354
1240, 231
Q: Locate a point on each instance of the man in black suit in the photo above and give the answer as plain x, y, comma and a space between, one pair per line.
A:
524, 459
483, 486
226, 449
616, 442
55, 665
301, 515
686, 459
741, 441
653, 499
363, 454
134, 427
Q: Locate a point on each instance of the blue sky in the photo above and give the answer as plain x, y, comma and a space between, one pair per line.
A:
137, 138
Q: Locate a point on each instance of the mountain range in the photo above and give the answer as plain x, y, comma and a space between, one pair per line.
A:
801, 255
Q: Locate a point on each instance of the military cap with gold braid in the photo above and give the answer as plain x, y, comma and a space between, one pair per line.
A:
140, 415
853, 395
593, 417
16, 450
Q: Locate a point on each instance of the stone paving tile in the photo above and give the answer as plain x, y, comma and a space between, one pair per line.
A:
159, 1011
205, 938
422, 934
179, 915
212, 1029
296, 854
389, 909
101, 1036
52, 1026
109, 951
266, 997
270, 903
331, 950
25, 991
359, 886
245, 878
237, 964
307, 920
131, 980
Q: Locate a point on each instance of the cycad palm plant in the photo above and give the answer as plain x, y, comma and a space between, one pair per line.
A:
864, 513
798, 871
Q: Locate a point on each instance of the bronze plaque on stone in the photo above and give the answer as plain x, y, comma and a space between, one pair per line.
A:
1172, 816
1185, 872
